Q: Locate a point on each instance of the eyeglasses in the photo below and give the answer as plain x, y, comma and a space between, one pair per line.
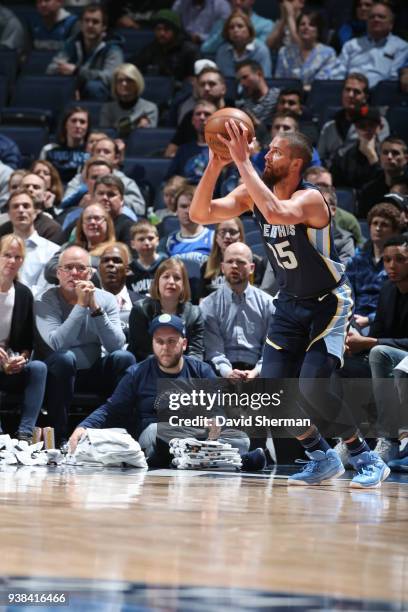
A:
96, 218
71, 267
224, 232
9, 256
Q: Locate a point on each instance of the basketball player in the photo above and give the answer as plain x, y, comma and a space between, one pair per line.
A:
314, 305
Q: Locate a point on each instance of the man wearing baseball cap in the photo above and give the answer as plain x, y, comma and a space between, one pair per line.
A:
132, 404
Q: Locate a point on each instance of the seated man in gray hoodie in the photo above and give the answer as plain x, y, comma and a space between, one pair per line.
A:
79, 336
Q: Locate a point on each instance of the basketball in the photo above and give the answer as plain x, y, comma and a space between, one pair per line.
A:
216, 125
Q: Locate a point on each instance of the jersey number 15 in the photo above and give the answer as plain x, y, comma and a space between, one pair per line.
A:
284, 257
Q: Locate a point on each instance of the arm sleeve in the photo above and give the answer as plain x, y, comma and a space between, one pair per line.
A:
195, 346
214, 342
134, 198
281, 71
139, 339
55, 332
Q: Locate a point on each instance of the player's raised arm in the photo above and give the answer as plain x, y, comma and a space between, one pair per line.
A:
205, 209
284, 164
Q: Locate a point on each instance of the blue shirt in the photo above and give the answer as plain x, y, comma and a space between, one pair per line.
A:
196, 248
132, 404
226, 58
235, 326
51, 38
263, 27
378, 60
318, 64
199, 18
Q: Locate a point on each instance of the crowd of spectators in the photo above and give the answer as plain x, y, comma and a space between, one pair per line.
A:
92, 250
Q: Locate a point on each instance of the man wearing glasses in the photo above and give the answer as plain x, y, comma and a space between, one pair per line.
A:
79, 336
236, 318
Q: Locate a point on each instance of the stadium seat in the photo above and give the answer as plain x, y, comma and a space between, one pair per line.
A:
155, 169
285, 83
249, 223
148, 141
8, 67
168, 225
346, 199
159, 89
30, 140
327, 113
258, 249
267, 8
388, 93
37, 62
397, 118
252, 238
135, 40
364, 229
45, 92
3, 90
323, 94
194, 276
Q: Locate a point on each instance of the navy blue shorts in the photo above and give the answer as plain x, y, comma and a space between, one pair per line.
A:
300, 322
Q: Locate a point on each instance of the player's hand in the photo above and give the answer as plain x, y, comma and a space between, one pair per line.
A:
237, 142
216, 161
74, 439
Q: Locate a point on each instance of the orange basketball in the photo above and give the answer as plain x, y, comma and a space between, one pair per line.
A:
216, 125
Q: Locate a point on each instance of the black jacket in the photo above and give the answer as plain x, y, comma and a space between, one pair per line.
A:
144, 311
21, 332
390, 325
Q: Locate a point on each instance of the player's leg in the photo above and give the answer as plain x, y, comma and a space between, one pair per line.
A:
314, 383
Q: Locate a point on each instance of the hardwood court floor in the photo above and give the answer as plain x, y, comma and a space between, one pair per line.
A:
179, 528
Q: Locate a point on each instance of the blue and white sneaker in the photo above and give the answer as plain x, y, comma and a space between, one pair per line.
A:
321, 469
371, 470
400, 464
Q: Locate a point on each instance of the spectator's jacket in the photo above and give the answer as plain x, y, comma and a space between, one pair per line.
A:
366, 278
99, 65
144, 311
340, 132
176, 60
21, 331
390, 325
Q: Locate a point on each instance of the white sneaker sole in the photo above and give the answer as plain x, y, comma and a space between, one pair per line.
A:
303, 483
358, 485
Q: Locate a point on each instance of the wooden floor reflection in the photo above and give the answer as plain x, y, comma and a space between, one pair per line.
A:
182, 528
